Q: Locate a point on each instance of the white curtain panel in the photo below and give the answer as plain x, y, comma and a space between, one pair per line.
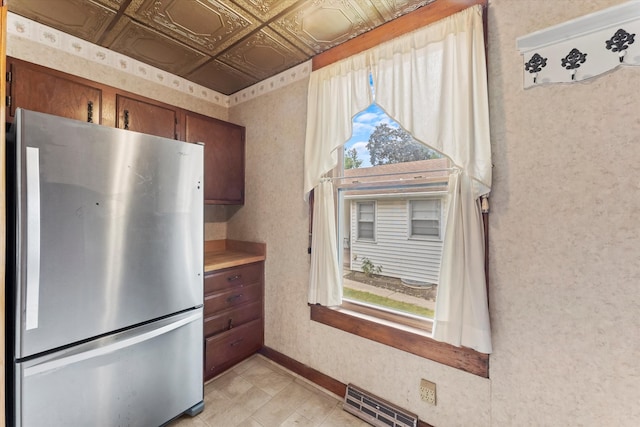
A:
433, 82
462, 315
324, 275
336, 94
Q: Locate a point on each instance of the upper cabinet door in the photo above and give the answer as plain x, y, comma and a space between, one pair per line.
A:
47, 91
146, 117
223, 157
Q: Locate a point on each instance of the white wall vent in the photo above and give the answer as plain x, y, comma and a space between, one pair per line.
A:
376, 411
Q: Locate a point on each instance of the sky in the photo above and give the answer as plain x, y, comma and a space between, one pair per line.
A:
364, 124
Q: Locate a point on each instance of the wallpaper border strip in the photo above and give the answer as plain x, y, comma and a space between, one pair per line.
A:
18, 26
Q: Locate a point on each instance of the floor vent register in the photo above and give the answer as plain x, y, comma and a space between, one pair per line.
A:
376, 411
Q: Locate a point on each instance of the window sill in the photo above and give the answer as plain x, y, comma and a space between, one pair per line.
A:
406, 338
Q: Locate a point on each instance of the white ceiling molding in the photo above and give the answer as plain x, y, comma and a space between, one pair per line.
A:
582, 48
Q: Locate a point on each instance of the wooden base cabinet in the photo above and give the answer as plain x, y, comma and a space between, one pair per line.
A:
234, 321
230, 347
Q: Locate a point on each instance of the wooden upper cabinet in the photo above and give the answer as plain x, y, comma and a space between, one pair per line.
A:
42, 89
146, 117
223, 157
47, 91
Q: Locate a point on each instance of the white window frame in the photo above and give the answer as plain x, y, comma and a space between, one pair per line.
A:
410, 209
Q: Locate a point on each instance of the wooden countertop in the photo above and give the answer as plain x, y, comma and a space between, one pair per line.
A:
219, 254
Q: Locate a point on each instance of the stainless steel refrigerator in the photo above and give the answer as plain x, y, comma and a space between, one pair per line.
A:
105, 273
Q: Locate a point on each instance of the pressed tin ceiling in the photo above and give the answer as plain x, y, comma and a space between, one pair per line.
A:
224, 45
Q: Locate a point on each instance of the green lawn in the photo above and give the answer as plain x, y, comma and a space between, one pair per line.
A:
387, 302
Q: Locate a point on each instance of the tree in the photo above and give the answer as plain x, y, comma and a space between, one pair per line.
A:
351, 160
389, 145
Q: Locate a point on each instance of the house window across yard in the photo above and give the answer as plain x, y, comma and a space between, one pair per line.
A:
425, 218
366, 220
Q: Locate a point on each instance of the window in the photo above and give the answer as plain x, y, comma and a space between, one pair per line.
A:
425, 218
390, 287
425, 103
388, 193
366, 220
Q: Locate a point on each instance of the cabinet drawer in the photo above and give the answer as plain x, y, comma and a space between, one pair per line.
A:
226, 349
235, 317
231, 298
232, 277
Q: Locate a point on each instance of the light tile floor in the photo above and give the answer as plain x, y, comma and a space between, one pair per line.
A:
260, 393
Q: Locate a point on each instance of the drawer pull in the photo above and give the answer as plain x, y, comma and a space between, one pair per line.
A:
232, 298
234, 278
237, 342
230, 324
90, 112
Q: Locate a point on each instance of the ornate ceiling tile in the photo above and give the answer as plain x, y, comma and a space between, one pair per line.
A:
224, 45
263, 54
391, 9
209, 26
132, 39
264, 10
85, 19
221, 77
113, 4
318, 25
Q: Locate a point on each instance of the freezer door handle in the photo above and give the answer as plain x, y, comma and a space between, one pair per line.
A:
32, 286
65, 360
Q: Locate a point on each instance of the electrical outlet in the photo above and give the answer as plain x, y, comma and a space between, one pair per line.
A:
428, 391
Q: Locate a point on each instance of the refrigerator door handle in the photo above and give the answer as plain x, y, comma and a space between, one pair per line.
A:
32, 165
69, 359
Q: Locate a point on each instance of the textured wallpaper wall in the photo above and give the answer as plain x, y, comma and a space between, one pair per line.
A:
565, 235
275, 211
565, 305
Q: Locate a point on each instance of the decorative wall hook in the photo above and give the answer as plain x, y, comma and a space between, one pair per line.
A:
619, 42
581, 48
573, 60
535, 65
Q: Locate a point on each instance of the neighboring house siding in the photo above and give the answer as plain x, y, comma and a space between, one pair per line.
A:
399, 256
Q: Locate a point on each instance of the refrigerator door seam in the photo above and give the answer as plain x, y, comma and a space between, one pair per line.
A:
129, 342
33, 237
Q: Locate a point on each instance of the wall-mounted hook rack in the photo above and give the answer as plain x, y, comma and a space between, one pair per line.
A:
583, 46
